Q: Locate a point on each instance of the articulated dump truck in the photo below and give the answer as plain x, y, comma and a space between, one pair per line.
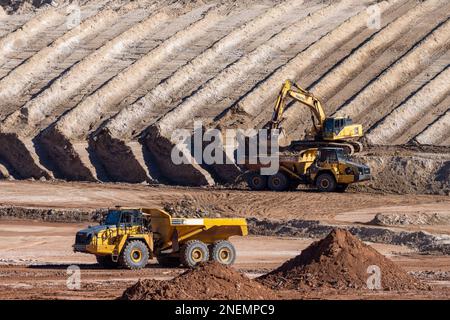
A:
128, 238
326, 169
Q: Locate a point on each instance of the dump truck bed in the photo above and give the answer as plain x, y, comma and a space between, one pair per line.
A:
180, 230
303, 158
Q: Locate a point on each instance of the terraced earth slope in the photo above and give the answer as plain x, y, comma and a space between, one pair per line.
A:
94, 92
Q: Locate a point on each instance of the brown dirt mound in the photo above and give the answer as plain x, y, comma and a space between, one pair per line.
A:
209, 280
338, 261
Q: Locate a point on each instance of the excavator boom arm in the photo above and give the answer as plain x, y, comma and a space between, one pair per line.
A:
298, 94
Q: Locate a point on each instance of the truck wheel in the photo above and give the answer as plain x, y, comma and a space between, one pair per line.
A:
106, 262
168, 261
341, 187
325, 182
223, 252
278, 182
293, 185
134, 255
256, 181
193, 253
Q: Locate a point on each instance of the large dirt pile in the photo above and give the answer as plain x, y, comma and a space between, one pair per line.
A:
338, 261
421, 173
209, 280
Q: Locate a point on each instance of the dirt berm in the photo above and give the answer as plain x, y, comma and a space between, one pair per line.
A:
339, 261
208, 281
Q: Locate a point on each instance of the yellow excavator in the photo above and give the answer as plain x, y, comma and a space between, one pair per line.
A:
326, 132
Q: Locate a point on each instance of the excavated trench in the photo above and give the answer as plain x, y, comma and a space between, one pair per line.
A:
365, 63
190, 173
65, 158
26, 122
20, 155
399, 73
134, 118
22, 78
265, 91
411, 111
437, 133
222, 68
119, 160
218, 88
28, 33
87, 115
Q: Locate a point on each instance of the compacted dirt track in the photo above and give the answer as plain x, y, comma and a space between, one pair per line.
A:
227, 202
34, 254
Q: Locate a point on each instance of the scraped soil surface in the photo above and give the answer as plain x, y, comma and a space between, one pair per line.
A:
34, 257
209, 280
339, 261
350, 206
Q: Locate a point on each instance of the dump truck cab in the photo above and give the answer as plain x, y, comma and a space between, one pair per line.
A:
334, 170
129, 237
121, 228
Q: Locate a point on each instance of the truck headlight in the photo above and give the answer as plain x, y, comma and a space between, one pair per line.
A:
348, 170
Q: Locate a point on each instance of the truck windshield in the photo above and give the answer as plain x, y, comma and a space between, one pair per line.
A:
342, 156
113, 217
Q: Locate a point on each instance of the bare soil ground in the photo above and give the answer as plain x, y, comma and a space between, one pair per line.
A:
227, 202
99, 101
34, 255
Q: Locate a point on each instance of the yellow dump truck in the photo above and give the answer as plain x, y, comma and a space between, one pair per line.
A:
328, 169
129, 237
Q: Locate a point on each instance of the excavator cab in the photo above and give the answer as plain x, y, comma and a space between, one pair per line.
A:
340, 128
335, 125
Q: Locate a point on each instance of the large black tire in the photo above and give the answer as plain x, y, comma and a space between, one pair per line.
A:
278, 182
293, 185
256, 181
325, 182
194, 252
168, 261
134, 255
106, 262
223, 252
341, 187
